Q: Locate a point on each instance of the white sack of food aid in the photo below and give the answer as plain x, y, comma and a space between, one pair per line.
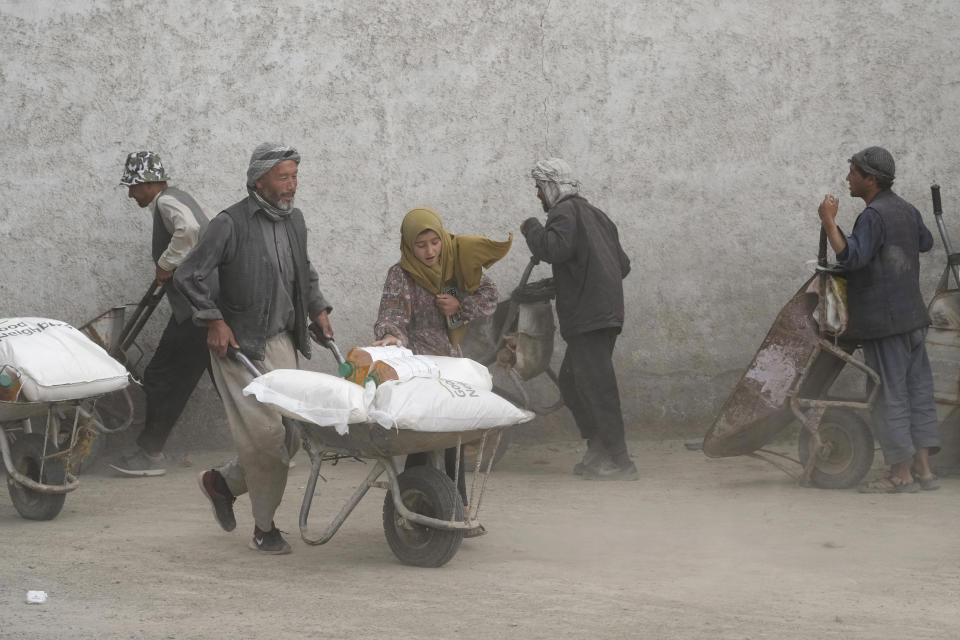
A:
389, 351
317, 398
438, 404
57, 361
463, 370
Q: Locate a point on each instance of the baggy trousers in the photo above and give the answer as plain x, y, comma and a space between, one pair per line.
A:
264, 440
904, 415
588, 385
177, 365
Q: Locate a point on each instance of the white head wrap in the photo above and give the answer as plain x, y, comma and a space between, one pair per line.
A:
266, 156
556, 180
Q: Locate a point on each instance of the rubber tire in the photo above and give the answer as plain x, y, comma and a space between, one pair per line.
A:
26, 452
851, 454
428, 492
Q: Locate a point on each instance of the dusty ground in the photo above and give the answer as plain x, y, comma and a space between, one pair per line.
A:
697, 549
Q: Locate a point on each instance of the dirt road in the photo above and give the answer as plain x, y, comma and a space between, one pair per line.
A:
697, 549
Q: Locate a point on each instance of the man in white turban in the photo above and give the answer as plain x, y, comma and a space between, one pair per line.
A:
583, 246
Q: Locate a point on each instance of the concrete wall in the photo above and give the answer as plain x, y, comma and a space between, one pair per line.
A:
708, 130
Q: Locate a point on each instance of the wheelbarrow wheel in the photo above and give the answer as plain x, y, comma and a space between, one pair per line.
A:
847, 454
27, 454
429, 492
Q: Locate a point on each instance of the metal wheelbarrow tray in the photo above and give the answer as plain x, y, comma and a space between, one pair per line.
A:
759, 406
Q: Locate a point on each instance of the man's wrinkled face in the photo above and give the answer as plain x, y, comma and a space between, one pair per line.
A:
279, 185
427, 247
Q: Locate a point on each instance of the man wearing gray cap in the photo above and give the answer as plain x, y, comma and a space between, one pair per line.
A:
268, 290
889, 318
181, 356
583, 246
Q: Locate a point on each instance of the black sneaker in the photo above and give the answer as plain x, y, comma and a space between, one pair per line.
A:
215, 488
269, 542
594, 455
607, 469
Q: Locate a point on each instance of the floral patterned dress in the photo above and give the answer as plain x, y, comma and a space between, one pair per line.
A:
409, 312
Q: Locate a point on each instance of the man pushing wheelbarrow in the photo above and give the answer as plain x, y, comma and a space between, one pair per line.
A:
888, 317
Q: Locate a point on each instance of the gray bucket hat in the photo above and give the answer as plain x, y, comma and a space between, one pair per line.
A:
143, 166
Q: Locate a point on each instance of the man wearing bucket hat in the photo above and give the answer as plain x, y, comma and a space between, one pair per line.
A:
268, 289
181, 355
583, 246
889, 318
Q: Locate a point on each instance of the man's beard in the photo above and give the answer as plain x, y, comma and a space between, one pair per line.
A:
280, 203
546, 209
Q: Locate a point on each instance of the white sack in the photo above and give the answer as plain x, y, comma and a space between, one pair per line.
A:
424, 404
389, 351
463, 370
411, 367
57, 361
317, 398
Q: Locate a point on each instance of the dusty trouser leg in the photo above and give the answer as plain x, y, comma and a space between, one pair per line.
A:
264, 442
890, 358
567, 382
925, 427
595, 385
177, 365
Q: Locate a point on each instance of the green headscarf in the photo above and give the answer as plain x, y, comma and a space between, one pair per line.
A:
462, 258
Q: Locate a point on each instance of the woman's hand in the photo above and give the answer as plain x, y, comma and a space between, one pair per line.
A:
447, 304
387, 341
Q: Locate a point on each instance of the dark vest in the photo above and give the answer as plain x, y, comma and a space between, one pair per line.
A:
884, 297
246, 281
182, 309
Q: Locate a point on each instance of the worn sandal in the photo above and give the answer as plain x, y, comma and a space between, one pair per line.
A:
888, 484
928, 483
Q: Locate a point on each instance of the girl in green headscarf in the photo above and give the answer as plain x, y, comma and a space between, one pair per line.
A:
430, 297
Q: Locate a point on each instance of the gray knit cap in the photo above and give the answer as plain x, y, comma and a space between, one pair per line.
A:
266, 156
876, 161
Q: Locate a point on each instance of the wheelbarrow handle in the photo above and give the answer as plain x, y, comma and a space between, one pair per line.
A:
317, 334
239, 356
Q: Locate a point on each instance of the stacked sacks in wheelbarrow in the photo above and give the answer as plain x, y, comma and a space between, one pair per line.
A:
423, 513
55, 372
